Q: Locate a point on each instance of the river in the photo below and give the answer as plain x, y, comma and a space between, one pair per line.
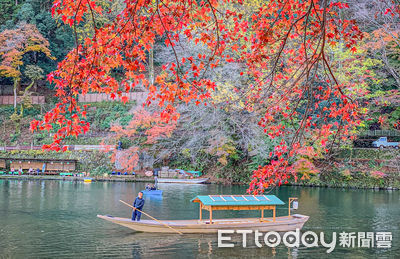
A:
58, 219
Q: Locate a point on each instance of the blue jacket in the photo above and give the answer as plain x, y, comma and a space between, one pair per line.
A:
138, 203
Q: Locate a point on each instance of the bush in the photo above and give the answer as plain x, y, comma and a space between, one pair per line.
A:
125, 120
102, 115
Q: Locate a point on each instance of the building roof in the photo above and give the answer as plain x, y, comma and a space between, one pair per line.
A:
237, 200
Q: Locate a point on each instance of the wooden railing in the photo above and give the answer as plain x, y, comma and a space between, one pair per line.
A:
139, 97
9, 99
70, 147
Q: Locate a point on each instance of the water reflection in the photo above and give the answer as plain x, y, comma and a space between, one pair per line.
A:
58, 219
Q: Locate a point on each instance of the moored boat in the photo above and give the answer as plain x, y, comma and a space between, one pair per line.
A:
210, 225
152, 192
87, 180
186, 181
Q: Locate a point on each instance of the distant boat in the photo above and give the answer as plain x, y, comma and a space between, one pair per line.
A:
87, 180
186, 181
210, 225
152, 192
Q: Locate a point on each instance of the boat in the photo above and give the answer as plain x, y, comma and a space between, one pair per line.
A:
186, 181
87, 180
152, 192
210, 225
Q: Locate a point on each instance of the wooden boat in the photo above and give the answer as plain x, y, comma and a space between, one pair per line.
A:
221, 202
282, 224
152, 192
186, 181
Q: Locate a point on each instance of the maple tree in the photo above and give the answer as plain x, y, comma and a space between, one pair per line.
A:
281, 47
14, 44
143, 130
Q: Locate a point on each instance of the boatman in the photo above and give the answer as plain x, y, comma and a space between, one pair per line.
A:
138, 204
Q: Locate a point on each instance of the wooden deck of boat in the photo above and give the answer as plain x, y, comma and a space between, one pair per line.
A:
184, 181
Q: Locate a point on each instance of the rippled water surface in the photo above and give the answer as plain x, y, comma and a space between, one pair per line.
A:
58, 219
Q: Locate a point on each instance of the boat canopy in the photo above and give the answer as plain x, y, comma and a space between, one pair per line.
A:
238, 200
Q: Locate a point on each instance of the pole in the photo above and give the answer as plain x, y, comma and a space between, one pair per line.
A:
200, 212
274, 213
210, 214
177, 231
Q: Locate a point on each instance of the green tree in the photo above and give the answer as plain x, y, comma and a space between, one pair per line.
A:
7, 7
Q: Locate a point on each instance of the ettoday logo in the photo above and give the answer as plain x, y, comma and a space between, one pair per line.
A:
308, 239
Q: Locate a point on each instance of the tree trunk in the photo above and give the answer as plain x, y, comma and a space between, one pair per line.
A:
15, 93
18, 86
151, 66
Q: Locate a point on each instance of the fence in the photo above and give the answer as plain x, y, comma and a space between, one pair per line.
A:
70, 147
9, 99
139, 97
381, 133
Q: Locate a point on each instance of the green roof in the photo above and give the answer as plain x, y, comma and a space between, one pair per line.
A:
241, 200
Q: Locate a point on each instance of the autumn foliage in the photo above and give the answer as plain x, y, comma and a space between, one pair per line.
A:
283, 47
16, 43
144, 130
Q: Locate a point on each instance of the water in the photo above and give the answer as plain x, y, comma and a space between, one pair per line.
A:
58, 219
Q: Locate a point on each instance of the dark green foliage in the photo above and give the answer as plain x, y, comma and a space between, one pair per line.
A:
15, 137
5, 112
125, 119
201, 163
126, 142
7, 8
32, 111
102, 115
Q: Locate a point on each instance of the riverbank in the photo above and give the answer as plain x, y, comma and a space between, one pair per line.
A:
353, 180
122, 178
343, 186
